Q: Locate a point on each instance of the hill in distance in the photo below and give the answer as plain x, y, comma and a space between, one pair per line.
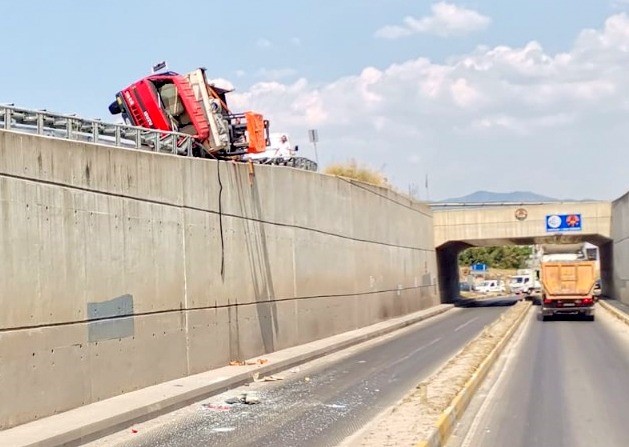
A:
490, 197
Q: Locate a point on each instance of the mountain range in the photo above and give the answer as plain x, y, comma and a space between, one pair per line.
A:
490, 197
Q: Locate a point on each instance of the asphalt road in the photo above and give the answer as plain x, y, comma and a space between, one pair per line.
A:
564, 384
327, 400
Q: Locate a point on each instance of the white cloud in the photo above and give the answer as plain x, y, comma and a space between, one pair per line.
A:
497, 118
263, 43
446, 20
295, 41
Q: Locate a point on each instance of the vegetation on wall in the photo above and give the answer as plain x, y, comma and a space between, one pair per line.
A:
351, 169
507, 257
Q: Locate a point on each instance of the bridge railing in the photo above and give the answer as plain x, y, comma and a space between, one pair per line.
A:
69, 127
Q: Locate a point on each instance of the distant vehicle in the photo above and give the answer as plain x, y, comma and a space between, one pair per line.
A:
597, 288
568, 288
525, 285
465, 287
491, 286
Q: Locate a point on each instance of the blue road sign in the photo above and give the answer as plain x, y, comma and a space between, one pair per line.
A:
563, 222
479, 267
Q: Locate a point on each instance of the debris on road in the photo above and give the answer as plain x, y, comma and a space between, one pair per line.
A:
248, 362
215, 407
249, 398
256, 378
223, 429
336, 406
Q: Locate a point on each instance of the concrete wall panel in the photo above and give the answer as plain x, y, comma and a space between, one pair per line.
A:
111, 266
620, 249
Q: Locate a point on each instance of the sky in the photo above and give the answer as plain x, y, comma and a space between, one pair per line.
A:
444, 97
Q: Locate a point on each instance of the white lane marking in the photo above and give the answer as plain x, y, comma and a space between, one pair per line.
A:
415, 351
461, 326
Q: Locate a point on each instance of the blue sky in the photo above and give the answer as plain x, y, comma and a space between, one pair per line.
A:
471, 93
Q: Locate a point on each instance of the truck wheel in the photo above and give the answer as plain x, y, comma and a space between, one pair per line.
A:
546, 317
590, 318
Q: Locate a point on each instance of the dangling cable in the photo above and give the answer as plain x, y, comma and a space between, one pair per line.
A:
220, 217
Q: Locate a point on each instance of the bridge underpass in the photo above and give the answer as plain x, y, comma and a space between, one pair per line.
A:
459, 227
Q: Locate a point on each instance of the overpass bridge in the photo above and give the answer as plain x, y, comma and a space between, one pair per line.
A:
459, 226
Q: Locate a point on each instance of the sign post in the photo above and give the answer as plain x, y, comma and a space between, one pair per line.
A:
313, 136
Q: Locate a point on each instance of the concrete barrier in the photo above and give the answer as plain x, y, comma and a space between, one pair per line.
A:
123, 269
620, 249
453, 413
615, 312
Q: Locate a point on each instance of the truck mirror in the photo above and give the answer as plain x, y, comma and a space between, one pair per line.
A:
296, 148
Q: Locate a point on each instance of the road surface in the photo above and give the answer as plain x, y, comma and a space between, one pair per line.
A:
562, 384
326, 400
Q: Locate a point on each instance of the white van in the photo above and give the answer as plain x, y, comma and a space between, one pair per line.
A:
491, 285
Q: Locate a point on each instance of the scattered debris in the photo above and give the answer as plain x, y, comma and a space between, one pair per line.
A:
133, 430
248, 363
252, 398
307, 379
294, 370
256, 378
339, 406
223, 429
249, 398
215, 407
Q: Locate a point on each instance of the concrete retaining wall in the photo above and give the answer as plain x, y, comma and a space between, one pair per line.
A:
620, 248
120, 269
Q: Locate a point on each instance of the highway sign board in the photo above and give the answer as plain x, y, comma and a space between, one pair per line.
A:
478, 267
563, 223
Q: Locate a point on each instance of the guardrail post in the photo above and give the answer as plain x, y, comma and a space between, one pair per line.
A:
7, 118
40, 123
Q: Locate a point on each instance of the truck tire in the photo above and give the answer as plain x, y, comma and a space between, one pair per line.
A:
590, 318
546, 317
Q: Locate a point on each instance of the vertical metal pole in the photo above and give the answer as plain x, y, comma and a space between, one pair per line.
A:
95, 131
40, 123
7, 118
316, 154
117, 135
137, 138
69, 128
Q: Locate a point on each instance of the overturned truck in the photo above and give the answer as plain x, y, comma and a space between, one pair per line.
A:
189, 104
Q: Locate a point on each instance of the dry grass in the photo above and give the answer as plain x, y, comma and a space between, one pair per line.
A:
353, 170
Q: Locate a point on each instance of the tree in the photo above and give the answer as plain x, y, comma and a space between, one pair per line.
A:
507, 257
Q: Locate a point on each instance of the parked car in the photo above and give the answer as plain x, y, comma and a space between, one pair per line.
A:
465, 287
492, 286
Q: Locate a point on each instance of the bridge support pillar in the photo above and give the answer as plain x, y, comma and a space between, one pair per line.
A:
447, 263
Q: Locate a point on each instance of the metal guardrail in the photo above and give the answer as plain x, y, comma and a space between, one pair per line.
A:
68, 127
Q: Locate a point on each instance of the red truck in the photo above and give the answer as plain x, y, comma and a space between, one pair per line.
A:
189, 104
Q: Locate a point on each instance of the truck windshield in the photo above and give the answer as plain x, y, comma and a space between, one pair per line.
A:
174, 107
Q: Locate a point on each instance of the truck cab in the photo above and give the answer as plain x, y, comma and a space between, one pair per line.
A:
189, 104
